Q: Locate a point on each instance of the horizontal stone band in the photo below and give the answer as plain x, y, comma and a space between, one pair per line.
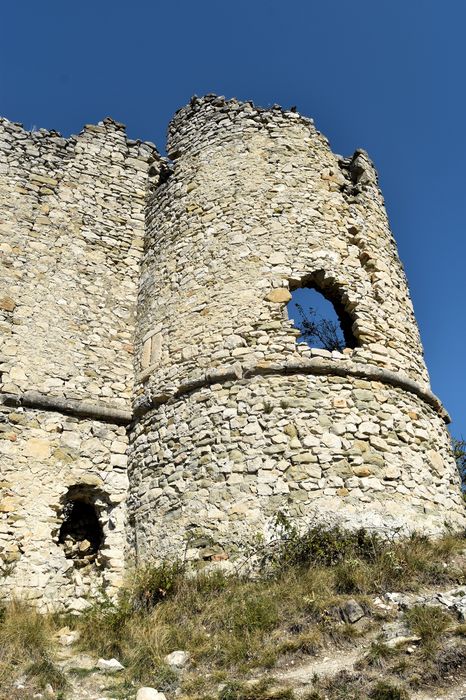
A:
72, 407
316, 366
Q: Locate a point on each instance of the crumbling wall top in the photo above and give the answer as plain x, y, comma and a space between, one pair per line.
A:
191, 122
71, 230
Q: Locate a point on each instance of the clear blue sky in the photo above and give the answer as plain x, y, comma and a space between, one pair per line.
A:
385, 75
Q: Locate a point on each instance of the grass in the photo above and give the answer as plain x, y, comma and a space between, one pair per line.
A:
439, 654
405, 565
430, 624
26, 650
236, 625
384, 690
378, 656
349, 686
263, 689
236, 628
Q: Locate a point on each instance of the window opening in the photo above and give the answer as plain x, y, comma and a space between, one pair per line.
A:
321, 318
81, 533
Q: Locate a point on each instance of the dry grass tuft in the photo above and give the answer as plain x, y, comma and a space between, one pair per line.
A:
255, 690
351, 686
430, 624
26, 650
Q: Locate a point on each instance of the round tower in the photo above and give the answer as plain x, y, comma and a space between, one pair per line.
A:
236, 419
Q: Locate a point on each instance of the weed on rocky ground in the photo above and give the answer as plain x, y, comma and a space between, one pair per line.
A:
322, 595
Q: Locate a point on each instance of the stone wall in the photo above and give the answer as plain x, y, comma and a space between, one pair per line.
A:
46, 458
71, 237
256, 203
213, 468
72, 229
237, 419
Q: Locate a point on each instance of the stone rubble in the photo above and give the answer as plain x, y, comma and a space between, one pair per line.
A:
148, 693
177, 659
453, 600
352, 612
109, 665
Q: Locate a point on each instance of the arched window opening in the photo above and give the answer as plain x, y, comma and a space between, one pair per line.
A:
81, 534
320, 316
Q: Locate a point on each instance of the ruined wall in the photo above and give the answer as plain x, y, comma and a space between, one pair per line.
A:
44, 456
71, 236
224, 416
237, 420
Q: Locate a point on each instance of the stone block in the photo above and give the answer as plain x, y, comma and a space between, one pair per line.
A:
37, 448
278, 296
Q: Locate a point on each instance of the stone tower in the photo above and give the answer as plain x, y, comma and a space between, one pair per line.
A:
224, 416
235, 419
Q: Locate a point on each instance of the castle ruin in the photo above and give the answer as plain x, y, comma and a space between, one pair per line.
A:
156, 400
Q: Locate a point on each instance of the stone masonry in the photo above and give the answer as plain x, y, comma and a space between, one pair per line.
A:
225, 417
71, 239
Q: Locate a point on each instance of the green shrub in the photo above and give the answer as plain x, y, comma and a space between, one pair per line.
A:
317, 546
153, 584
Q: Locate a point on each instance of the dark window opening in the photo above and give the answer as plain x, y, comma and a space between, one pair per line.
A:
321, 317
81, 534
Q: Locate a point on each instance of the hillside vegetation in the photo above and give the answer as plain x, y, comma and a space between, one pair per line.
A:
317, 596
